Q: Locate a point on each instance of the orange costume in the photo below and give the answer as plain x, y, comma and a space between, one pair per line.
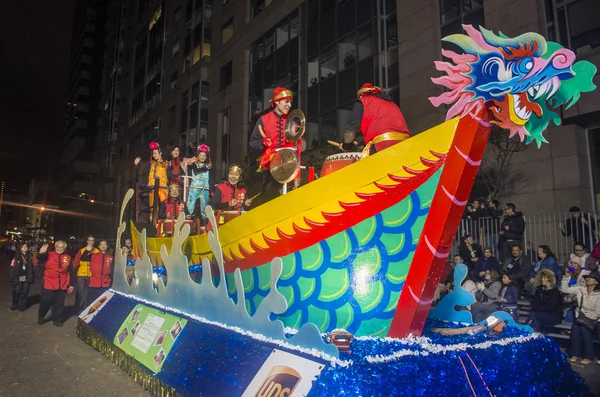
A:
157, 170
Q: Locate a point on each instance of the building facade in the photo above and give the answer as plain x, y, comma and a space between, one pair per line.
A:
200, 71
77, 174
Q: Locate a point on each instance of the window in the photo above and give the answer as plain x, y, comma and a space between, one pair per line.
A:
172, 116
257, 6
226, 76
365, 42
578, 24
177, 15
328, 62
227, 32
347, 52
453, 13
195, 92
225, 136
205, 90
174, 80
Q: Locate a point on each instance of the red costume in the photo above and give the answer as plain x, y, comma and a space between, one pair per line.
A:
101, 269
224, 193
379, 119
269, 131
171, 208
56, 273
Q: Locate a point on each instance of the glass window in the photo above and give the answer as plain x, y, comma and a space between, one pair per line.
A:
327, 6
347, 85
346, 17
269, 43
175, 48
205, 90
196, 55
312, 96
204, 115
282, 34
313, 11
226, 75
195, 92
449, 10
365, 42
393, 75
294, 52
365, 71
327, 31
347, 52
227, 31
312, 40
328, 62
205, 49
174, 80
177, 15
281, 60
364, 11
194, 116
328, 95
294, 25
391, 28
311, 136
584, 23
329, 128
313, 72
268, 71
343, 118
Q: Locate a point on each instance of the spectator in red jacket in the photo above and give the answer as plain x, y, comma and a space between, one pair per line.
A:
101, 265
57, 282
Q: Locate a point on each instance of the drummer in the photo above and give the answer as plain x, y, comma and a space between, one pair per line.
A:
269, 135
230, 195
379, 119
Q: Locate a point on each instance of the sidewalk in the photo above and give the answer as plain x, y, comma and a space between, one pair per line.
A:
44, 360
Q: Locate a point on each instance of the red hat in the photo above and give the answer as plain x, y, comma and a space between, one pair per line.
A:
368, 88
279, 94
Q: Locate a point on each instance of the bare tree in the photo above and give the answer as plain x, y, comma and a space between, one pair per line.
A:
495, 172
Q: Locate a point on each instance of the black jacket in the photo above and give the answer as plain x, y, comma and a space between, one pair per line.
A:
516, 227
16, 266
548, 301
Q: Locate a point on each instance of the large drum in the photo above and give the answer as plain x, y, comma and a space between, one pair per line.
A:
338, 161
226, 216
165, 227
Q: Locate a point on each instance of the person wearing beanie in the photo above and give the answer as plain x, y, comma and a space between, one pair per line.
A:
379, 119
269, 135
581, 227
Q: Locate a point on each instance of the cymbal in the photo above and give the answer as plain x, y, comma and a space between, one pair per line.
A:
285, 165
295, 126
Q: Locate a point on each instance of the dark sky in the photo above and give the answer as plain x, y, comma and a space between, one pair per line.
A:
35, 37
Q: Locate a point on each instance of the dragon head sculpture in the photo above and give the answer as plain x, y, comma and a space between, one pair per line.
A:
520, 79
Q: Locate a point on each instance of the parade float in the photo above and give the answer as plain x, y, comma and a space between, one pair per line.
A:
327, 289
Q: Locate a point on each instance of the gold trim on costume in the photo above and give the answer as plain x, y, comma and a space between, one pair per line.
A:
366, 89
282, 94
386, 136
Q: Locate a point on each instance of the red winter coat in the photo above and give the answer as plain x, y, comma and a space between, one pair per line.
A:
101, 269
56, 273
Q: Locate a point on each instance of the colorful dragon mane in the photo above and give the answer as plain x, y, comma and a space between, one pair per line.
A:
520, 79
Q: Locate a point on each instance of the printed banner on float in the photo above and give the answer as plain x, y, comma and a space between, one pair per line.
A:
284, 375
148, 335
94, 308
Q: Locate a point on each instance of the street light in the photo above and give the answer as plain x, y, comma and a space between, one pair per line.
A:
43, 208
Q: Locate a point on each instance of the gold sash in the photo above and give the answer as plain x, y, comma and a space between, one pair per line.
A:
386, 136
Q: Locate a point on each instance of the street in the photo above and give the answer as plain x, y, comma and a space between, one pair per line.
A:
44, 360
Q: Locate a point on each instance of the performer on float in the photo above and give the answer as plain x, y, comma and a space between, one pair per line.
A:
269, 135
158, 169
173, 205
379, 119
176, 167
200, 186
230, 195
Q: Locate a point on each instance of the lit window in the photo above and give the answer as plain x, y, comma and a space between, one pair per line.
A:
227, 31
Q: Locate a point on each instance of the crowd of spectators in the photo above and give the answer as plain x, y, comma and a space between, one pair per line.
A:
502, 275
61, 269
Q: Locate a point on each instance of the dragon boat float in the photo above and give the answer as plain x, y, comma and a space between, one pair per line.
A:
356, 255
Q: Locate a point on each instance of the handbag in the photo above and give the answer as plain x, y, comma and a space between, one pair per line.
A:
585, 321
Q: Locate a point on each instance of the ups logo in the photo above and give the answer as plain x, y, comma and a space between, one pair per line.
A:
280, 382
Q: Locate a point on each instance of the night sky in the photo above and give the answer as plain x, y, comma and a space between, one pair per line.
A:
35, 38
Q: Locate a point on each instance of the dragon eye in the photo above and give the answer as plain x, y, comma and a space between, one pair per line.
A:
525, 65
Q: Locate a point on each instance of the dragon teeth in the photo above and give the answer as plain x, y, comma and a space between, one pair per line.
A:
555, 83
531, 91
